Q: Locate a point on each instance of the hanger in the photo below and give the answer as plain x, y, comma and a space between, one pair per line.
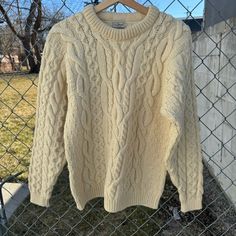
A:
130, 3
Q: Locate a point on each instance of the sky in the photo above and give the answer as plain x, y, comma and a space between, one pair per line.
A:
178, 8
173, 7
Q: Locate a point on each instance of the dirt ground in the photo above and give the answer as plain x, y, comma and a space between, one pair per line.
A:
217, 218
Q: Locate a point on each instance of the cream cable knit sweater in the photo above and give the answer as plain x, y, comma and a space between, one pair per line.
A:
119, 107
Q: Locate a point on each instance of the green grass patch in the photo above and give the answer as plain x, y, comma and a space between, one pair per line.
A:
17, 116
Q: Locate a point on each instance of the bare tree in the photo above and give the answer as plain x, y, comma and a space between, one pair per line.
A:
27, 30
7, 42
94, 2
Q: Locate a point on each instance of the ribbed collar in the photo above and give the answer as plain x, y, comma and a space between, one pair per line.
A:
142, 22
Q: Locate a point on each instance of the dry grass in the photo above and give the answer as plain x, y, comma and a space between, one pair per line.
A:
17, 114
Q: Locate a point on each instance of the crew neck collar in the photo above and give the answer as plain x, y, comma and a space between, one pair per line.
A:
140, 25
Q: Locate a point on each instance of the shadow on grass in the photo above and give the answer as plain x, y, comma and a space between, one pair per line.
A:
63, 218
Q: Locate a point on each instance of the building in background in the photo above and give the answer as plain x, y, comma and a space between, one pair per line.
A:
216, 11
195, 23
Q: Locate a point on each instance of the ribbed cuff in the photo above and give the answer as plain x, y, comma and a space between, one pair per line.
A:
191, 204
39, 199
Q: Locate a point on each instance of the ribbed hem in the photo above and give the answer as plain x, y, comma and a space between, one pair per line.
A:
192, 204
96, 191
130, 31
112, 206
39, 199
144, 199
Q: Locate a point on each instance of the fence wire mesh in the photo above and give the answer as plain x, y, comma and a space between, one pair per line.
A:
23, 27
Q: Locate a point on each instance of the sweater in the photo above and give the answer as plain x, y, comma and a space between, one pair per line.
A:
116, 102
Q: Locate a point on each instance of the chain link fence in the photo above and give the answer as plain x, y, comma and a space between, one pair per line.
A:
214, 64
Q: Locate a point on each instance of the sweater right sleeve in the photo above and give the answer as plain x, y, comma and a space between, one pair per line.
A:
48, 157
184, 158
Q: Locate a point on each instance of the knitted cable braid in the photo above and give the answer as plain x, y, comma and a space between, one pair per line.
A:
118, 106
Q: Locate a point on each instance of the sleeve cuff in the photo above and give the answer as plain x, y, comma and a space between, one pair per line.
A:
39, 199
191, 204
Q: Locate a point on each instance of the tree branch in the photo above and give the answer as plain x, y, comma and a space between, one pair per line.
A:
9, 22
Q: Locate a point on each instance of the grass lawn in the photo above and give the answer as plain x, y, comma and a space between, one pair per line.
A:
17, 116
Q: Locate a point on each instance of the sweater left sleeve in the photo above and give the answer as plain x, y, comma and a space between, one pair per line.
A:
183, 159
48, 157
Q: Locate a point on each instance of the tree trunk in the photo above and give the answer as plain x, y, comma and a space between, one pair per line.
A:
34, 67
12, 62
35, 44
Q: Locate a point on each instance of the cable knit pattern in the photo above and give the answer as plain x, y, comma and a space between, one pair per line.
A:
119, 107
49, 156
